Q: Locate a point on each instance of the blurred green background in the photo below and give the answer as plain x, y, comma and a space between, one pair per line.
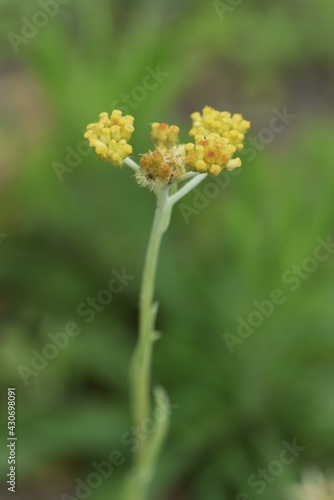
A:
62, 236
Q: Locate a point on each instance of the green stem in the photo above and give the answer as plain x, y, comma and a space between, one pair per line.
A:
194, 181
147, 453
132, 164
147, 312
148, 449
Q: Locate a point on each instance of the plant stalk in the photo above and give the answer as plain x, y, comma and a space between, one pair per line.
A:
147, 311
148, 450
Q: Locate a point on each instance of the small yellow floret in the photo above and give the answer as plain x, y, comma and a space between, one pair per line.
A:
110, 136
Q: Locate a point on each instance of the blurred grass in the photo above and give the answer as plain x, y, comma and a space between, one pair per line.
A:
64, 238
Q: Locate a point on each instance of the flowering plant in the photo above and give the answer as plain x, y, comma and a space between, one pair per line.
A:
217, 137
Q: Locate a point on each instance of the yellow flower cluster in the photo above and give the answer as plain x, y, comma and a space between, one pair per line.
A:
232, 127
164, 165
164, 136
110, 136
218, 135
211, 153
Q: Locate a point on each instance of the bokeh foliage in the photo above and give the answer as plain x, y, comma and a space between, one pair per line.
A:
65, 237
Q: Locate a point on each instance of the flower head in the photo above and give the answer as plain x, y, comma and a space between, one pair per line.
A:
110, 136
162, 167
166, 164
232, 127
217, 137
211, 153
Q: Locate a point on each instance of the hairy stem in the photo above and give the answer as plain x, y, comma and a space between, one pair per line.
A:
147, 312
148, 450
147, 453
194, 181
132, 164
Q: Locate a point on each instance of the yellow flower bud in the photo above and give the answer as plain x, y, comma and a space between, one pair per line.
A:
164, 136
